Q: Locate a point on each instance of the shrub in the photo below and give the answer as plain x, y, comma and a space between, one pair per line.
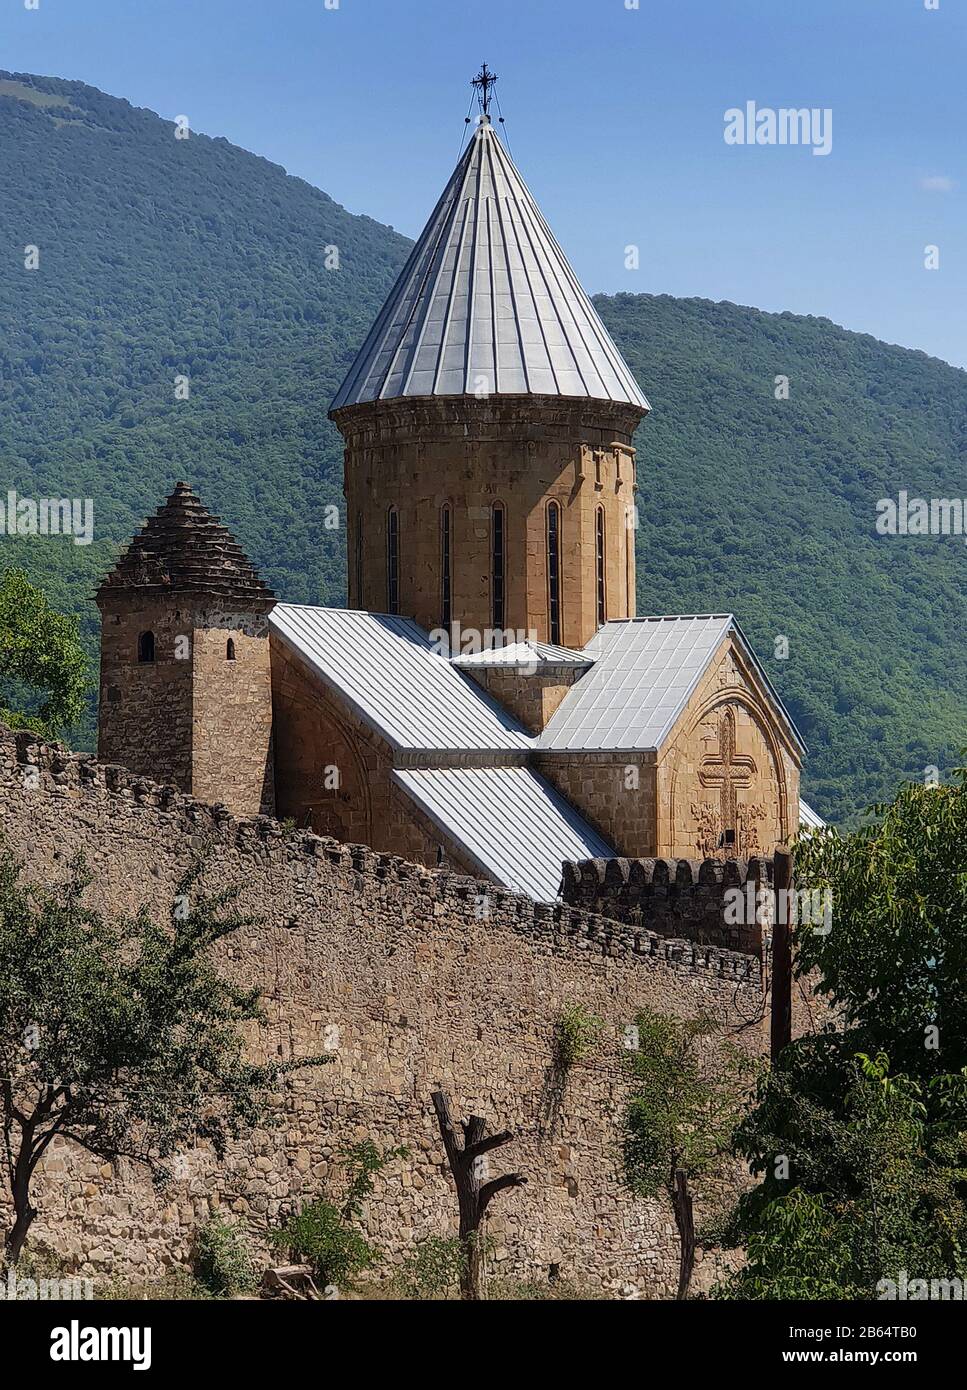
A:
223, 1262
575, 1034
433, 1267
320, 1236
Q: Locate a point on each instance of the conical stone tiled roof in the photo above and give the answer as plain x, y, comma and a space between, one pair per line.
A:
184, 549
487, 303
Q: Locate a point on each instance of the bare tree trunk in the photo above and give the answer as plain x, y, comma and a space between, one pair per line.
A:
685, 1221
24, 1213
473, 1196
781, 1019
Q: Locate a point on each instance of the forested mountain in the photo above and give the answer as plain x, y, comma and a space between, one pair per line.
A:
161, 258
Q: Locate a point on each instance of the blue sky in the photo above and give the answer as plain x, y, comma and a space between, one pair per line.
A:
615, 117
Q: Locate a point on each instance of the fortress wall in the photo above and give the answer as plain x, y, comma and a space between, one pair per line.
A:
393, 968
676, 897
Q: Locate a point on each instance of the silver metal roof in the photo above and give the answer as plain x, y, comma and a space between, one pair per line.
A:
387, 670
487, 303
644, 672
510, 823
808, 818
527, 653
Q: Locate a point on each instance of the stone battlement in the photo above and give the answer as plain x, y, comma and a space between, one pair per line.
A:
587, 919
675, 898
411, 978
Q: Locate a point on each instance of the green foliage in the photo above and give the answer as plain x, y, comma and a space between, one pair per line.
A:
684, 1104
120, 1035
862, 1165
895, 961
321, 1236
433, 1268
575, 1035
42, 661
321, 1233
870, 1183
223, 1261
362, 1162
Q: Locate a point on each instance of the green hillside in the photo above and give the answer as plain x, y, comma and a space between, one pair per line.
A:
767, 508
162, 257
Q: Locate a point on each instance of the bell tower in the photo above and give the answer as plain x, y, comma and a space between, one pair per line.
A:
186, 684
488, 420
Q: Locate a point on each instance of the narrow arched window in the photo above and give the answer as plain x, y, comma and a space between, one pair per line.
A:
554, 571
359, 561
146, 647
599, 575
393, 561
446, 542
230, 649
497, 566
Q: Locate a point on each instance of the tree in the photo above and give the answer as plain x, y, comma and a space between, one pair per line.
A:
473, 1195
894, 965
854, 1191
861, 1160
679, 1122
121, 1036
42, 661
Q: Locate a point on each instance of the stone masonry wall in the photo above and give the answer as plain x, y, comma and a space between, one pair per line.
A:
677, 898
392, 968
417, 454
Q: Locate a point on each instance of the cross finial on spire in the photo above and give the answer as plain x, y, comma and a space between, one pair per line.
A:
483, 82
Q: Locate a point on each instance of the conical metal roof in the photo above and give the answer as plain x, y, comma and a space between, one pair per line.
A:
487, 303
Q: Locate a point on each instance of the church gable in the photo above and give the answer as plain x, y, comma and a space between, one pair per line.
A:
728, 773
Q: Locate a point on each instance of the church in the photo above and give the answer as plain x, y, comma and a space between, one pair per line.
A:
489, 699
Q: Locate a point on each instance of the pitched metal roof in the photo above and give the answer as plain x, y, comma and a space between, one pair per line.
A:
644, 672
487, 298
387, 670
808, 818
510, 823
538, 655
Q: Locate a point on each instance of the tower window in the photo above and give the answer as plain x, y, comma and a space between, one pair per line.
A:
230, 649
497, 566
393, 561
599, 562
446, 540
146, 647
359, 560
554, 571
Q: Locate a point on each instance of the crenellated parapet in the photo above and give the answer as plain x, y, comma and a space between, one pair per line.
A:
125, 804
689, 898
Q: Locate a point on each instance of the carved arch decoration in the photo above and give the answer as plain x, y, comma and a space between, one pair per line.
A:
753, 786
